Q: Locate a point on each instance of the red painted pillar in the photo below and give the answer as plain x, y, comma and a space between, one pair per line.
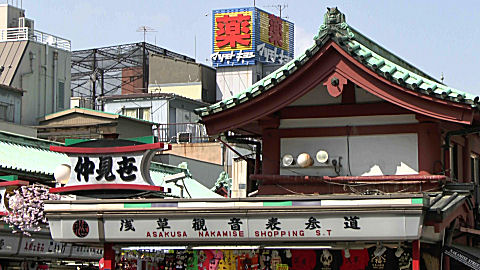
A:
429, 148
108, 257
270, 145
446, 262
271, 152
416, 255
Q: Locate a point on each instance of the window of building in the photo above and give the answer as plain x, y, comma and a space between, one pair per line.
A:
61, 96
475, 168
3, 112
140, 113
454, 161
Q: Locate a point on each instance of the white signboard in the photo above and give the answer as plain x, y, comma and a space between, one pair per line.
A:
275, 55
83, 252
239, 56
250, 228
44, 247
127, 168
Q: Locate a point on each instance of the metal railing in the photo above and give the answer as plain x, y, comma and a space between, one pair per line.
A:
25, 33
169, 132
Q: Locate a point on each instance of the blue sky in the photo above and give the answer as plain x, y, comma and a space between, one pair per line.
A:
435, 36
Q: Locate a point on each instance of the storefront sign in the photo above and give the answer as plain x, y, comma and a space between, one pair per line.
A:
249, 228
80, 228
83, 252
96, 165
9, 244
117, 169
16, 244
44, 247
463, 257
243, 36
233, 56
272, 55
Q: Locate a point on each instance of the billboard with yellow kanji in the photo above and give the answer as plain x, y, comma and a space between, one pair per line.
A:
245, 36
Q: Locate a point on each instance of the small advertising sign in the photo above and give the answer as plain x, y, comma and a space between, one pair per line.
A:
243, 36
84, 252
243, 227
116, 165
44, 247
9, 244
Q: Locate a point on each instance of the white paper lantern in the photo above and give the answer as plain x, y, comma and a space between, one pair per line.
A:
304, 160
62, 173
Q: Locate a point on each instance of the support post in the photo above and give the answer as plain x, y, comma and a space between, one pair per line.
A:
270, 145
108, 257
416, 255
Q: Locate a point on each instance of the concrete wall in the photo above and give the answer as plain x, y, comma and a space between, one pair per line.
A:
165, 71
359, 154
233, 80
9, 16
41, 71
209, 84
207, 152
12, 101
130, 129
189, 90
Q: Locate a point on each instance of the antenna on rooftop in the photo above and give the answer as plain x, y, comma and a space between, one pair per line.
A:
280, 8
145, 29
441, 78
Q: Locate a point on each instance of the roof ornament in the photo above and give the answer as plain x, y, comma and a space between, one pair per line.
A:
334, 24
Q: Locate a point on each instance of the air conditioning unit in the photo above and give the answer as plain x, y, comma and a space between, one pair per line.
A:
184, 137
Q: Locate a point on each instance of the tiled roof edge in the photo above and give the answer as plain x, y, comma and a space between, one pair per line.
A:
366, 51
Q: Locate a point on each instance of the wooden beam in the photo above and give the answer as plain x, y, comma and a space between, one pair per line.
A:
344, 131
342, 110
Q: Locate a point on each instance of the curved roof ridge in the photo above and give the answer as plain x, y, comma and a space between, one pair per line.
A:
367, 52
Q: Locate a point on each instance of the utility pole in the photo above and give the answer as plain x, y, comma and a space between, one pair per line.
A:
145, 29
280, 8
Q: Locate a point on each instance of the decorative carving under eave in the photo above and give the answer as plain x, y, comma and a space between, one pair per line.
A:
334, 23
335, 84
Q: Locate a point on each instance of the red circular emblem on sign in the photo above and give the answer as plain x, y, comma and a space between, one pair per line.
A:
80, 228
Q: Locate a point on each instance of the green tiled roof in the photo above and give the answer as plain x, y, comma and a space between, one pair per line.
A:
29, 155
372, 55
159, 171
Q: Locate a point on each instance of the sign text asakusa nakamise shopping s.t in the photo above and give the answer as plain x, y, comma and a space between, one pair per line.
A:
244, 36
109, 164
196, 222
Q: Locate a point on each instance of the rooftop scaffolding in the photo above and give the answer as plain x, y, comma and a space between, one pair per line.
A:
98, 72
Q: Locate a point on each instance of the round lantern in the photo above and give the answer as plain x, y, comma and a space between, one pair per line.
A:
62, 173
304, 160
288, 160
